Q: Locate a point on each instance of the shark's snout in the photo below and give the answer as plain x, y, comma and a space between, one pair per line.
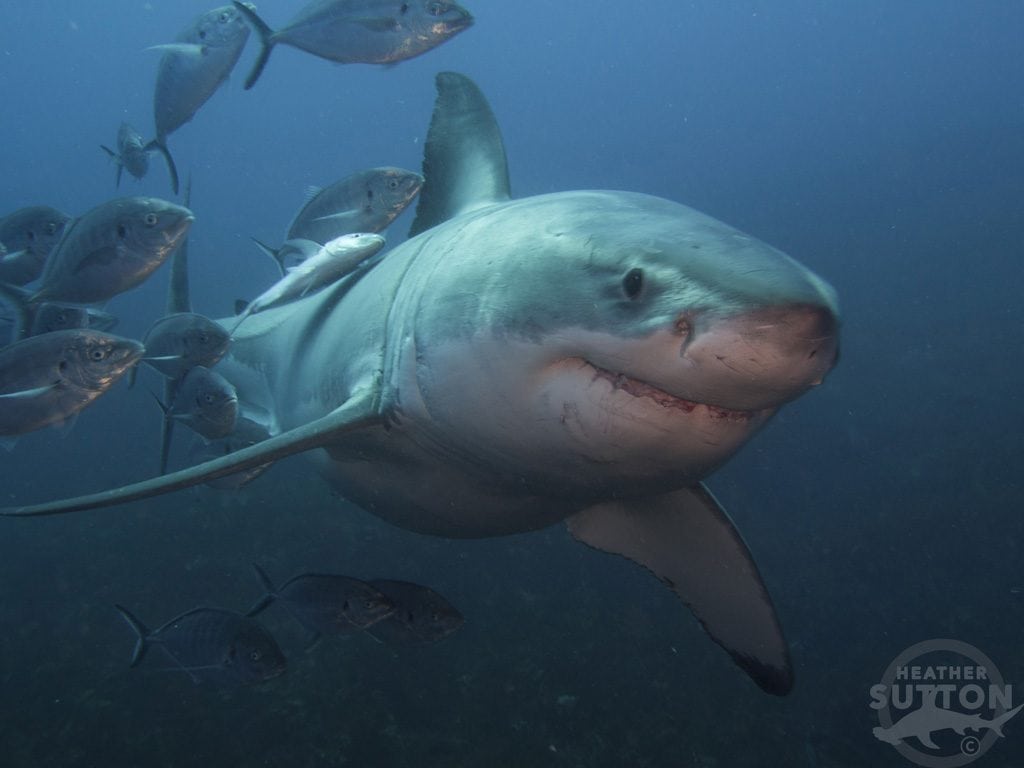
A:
760, 358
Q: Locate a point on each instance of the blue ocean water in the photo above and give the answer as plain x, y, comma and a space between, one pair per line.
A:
881, 144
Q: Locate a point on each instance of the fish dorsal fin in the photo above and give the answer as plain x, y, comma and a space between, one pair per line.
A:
360, 411
310, 192
464, 160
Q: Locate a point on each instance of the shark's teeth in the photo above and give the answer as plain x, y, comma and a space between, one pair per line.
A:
637, 388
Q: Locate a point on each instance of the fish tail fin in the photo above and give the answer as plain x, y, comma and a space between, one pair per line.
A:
275, 254
158, 146
167, 427
267, 42
166, 433
166, 409
117, 159
268, 598
21, 304
141, 643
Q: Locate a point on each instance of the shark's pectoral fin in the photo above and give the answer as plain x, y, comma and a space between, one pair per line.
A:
688, 541
360, 411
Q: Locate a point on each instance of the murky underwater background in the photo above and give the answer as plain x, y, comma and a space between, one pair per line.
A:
881, 144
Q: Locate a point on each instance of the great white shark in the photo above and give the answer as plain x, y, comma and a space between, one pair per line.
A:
587, 357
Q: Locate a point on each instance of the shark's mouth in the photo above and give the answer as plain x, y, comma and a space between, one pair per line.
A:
637, 388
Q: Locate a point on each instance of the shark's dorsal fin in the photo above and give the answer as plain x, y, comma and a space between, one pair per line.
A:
464, 160
360, 411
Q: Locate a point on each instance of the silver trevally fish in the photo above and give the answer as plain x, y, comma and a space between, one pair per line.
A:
212, 645
111, 249
191, 70
50, 316
34, 318
367, 201
421, 615
325, 603
131, 154
586, 357
205, 402
361, 31
180, 341
47, 379
28, 235
328, 264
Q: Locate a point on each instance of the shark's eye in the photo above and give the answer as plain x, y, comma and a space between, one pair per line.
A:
633, 283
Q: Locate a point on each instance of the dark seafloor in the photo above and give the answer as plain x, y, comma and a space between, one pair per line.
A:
882, 144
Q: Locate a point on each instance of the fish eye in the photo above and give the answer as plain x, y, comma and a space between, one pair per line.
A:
225, 17
97, 354
204, 338
202, 34
150, 219
122, 231
633, 283
392, 183
31, 235
345, 606
369, 605
436, 9
255, 656
369, 194
51, 228
404, 9
208, 398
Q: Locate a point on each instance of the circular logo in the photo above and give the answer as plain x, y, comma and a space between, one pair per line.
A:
942, 703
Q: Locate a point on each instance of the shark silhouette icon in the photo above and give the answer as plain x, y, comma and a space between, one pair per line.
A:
929, 719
